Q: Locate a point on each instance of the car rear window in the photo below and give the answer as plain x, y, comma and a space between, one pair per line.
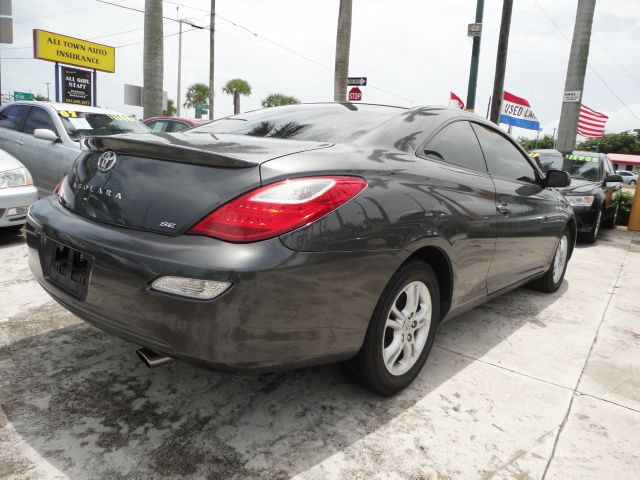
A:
79, 124
333, 123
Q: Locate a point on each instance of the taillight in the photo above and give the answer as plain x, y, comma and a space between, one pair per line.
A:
278, 208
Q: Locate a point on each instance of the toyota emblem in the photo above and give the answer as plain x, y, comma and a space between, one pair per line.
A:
107, 161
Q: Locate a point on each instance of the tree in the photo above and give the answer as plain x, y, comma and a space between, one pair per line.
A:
237, 87
624, 142
41, 98
546, 141
278, 100
196, 93
343, 43
171, 109
153, 59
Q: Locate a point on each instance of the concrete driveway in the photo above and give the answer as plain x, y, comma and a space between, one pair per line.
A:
527, 386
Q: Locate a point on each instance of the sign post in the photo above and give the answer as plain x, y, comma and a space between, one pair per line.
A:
74, 85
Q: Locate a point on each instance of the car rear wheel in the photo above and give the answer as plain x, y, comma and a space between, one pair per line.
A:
632, 182
552, 279
401, 331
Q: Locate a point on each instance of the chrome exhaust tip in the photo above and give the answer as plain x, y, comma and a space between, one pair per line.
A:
153, 359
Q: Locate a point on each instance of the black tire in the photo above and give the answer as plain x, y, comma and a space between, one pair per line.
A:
368, 368
592, 235
632, 182
546, 283
611, 221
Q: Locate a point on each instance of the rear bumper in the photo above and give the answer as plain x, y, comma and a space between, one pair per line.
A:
285, 308
15, 197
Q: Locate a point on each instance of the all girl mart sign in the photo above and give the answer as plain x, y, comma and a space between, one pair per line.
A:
73, 51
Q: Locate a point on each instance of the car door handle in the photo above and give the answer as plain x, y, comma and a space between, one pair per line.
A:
503, 208
19, 142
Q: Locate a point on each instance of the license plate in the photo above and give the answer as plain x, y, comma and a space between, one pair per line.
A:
68, 269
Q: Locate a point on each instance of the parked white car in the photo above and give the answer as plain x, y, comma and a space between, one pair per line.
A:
45, 136
628, 177
17, 192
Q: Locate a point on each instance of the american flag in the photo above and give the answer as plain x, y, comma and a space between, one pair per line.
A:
590, 122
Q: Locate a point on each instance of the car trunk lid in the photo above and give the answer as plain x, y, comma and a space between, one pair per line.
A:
167, 182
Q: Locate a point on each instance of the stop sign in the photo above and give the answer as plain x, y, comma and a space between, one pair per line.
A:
355, 94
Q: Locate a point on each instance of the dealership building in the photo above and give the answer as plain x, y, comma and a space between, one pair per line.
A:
625, 162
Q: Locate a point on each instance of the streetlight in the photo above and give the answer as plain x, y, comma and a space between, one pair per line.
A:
180, 22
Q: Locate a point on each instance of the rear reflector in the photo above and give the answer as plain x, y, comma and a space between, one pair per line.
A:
279, 208
190, 287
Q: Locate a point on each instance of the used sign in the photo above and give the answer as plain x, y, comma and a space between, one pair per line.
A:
73, 51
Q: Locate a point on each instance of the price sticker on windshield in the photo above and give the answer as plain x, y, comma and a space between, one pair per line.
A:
67, 113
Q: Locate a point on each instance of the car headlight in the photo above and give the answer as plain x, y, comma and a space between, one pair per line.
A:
580, 200
15, 178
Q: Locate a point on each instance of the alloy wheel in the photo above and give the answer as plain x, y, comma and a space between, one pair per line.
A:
407, 328
560, 259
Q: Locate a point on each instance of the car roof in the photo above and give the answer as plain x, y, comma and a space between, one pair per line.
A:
66, 106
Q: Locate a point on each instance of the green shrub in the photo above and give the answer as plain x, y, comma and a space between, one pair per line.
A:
626, 198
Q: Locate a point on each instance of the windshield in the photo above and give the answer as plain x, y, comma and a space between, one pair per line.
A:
581, 167
84, 124
323, 123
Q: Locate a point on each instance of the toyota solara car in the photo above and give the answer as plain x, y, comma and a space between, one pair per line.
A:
300, 235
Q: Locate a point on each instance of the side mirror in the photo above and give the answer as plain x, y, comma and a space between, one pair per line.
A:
613, 180
45, 134
557, 178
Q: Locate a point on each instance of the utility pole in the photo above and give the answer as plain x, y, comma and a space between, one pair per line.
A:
475, 30
153, 59
178, 101
343, 43
212, 37
501, 60
575, 76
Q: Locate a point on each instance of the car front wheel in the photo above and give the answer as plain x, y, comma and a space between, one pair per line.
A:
592, 235
401, 331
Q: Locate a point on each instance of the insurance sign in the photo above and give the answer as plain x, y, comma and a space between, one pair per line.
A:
73, 51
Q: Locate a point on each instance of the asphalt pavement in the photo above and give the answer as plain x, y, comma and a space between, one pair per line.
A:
527, 386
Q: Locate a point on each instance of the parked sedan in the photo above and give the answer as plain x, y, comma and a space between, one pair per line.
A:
45, 136
595, 188
171, 124
628, 177
17, 192
300, 235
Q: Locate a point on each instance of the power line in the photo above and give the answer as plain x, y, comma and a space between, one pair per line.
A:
237, 25
591, 68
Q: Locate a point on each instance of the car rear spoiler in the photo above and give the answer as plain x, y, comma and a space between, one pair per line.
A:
160, 148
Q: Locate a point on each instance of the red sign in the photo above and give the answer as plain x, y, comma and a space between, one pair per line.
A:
355, 94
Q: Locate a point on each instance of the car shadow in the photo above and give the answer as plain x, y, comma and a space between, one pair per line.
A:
9, 238
81, 400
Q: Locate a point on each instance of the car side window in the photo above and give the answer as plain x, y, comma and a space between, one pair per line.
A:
158, 126
178, 126
457, 144
503, 158
38, 118
11, 116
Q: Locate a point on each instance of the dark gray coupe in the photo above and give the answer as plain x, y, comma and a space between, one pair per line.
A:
300, 235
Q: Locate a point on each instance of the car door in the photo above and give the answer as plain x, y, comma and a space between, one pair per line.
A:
468, 192
159, 126
529, 223
46, 160
11, 119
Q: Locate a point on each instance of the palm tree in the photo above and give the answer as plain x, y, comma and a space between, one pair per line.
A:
171, 108
196, 93
278, 100
153, 59
343, 41
237, 87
